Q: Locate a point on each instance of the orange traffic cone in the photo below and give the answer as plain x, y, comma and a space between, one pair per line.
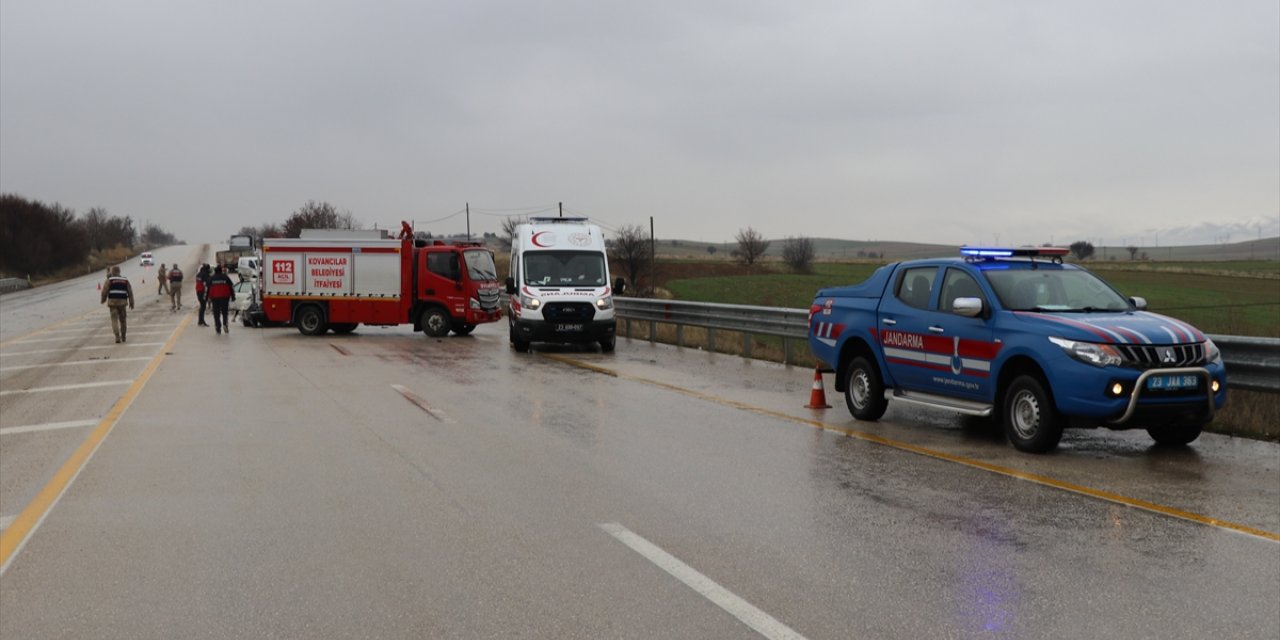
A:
817, 397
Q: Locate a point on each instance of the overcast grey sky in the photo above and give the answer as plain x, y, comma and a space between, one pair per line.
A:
933, 121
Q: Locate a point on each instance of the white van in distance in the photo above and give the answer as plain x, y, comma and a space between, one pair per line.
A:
559, 284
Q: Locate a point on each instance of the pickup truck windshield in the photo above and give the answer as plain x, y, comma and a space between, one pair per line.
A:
564, 269
1054, 290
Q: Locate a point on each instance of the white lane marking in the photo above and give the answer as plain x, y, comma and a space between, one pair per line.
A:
68, 387
106, 334
72, 363
763, 623
5, 521
49, 426
99, 326
135, 345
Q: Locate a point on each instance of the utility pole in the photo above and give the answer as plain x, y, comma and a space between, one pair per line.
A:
561, 209
653, 260
468, 222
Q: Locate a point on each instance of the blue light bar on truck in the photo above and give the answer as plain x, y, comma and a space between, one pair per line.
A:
1010, 252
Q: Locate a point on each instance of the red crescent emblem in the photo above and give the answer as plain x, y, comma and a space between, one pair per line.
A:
535, 239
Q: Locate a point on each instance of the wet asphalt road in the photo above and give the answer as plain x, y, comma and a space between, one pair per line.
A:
383, 484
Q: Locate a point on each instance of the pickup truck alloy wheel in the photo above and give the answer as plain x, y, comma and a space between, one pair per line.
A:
435, 322
1030, 421
864, 391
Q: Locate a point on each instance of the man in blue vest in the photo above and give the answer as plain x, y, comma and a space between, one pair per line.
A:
116, 295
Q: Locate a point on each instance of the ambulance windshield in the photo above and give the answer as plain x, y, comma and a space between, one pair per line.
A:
564, 269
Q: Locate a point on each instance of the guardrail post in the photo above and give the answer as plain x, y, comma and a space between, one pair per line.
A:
679, 335
786, 351
711, 339
628, 321
653, 331
746, 345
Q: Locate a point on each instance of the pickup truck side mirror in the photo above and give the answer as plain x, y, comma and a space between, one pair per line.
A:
1138, 303
619, 286
511, 286
967, 307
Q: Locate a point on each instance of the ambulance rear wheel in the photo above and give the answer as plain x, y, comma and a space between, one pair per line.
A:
310, 321
864, 391
435, 322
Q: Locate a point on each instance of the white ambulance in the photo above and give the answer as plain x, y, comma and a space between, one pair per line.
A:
559, 285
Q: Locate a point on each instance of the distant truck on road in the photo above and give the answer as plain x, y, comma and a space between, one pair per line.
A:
1016, 335
340, 280
238, 247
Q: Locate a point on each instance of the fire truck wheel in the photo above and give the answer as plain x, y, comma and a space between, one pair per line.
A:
343, 328
435, 322
462, 328
311, 321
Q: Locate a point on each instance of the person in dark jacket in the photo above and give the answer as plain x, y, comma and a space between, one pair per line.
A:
202, 290
221, 292
116, 295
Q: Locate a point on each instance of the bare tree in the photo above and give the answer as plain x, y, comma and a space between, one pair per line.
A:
509, 230
751, 245
631, 250
798, 254
1082, 249
318, 215
1133, 252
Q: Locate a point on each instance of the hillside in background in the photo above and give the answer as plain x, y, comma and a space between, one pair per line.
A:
833, 249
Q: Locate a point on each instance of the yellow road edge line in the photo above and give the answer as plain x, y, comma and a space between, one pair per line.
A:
24, 525
1036, 478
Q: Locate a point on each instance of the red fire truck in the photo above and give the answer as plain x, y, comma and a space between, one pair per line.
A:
336, 280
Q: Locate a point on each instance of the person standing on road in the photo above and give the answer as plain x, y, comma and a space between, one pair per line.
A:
221, 292
163, 276
202, 290
116, 295
175, 288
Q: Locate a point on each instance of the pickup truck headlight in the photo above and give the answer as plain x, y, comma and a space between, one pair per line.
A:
604, 303
530, 302
1098, 355
1211, 352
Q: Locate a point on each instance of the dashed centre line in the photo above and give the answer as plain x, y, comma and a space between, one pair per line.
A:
746, 613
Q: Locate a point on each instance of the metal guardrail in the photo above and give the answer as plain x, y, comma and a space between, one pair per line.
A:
14, 284
1252, 363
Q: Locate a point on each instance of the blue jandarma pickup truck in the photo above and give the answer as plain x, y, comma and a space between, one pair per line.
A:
1021, 337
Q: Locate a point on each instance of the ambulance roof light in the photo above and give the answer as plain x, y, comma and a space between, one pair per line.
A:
552, 220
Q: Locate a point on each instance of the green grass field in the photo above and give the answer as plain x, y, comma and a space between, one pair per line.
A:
1233, 298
